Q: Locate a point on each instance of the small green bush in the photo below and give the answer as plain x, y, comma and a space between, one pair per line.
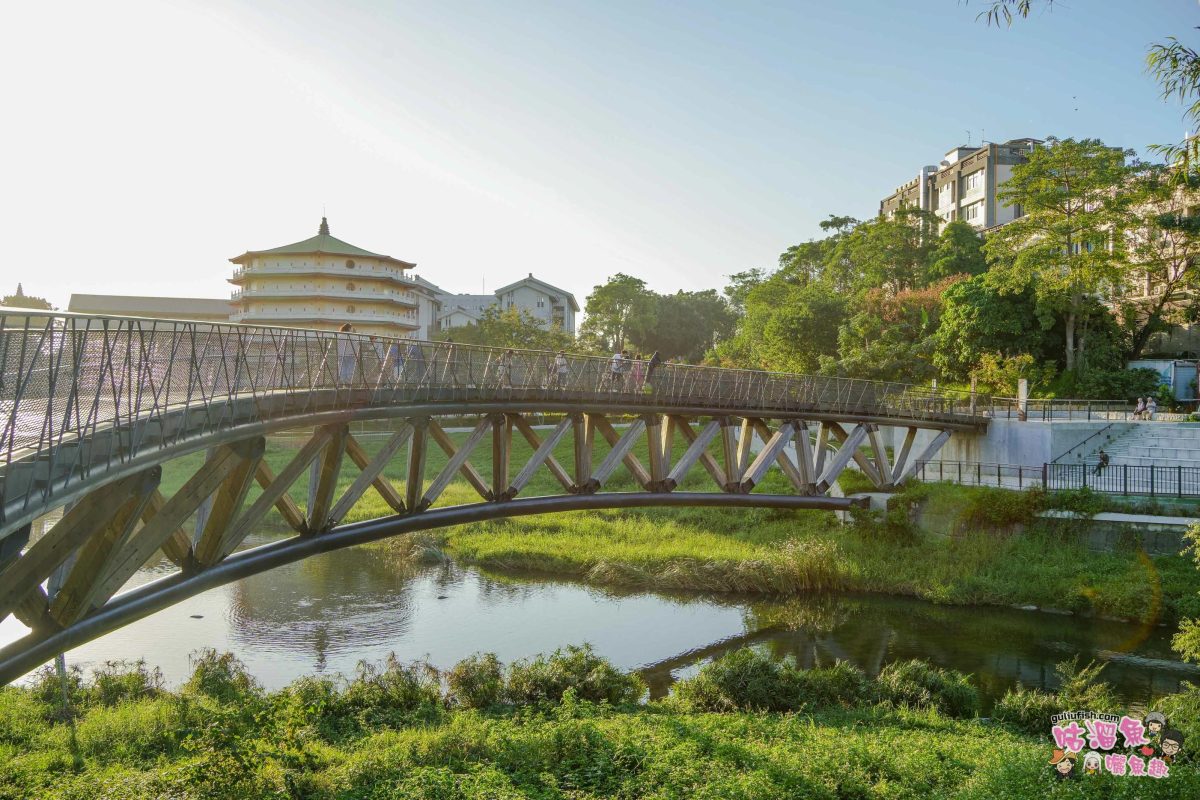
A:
117, 681
220, 676
916, 683
595, 679
477, 682
1081, 687
843, 684
742, 680
134, 732
395, 695
1079, 501
1027, 710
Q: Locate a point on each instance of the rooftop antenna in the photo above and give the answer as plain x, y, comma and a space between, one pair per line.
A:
968, 137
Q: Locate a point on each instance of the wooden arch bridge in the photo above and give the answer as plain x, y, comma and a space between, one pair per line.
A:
91, 408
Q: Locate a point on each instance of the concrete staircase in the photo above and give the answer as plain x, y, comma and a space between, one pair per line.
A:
1162, 444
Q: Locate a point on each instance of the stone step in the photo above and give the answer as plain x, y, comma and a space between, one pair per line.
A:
1174, 453
1143, 461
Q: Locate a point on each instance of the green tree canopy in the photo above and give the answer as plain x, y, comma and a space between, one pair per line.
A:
959, 251
614, 310
510, 328
1064, 247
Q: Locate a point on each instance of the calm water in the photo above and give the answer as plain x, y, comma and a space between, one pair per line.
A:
325, 614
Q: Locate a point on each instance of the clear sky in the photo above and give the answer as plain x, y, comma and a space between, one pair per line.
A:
148, 142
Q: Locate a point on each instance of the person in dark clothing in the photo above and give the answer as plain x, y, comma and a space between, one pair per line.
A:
653, 364
1101, 461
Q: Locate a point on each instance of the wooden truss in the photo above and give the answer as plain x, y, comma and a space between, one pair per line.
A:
102, 540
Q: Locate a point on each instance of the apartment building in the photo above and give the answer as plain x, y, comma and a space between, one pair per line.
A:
965, 185
545, 302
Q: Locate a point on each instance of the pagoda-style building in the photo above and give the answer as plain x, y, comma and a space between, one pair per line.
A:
324, 282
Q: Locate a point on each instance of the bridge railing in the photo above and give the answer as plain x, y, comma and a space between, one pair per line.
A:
64, 377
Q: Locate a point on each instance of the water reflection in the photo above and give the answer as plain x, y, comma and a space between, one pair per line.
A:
328, 612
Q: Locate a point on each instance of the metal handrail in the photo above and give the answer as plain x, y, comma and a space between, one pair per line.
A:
68, 378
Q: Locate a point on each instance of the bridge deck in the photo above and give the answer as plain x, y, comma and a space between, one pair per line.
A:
86, 399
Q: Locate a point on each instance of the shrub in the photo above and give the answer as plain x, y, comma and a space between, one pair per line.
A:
47, 689
22, 716
843, 684
1028, 710
221, 676
118, 681
394, 695
1079, 501
133, 732
316, 702
1081, 688
545, 678
477, 682
1118, 384
993, 509
916, 683
742, 680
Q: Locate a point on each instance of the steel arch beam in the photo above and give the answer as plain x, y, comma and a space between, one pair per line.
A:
28, 653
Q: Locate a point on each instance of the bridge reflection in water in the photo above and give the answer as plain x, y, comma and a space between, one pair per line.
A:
92, 407
325, 614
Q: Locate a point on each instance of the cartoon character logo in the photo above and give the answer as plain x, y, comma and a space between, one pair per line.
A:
1155, 721
1063, 762
1170, 745
1091, 763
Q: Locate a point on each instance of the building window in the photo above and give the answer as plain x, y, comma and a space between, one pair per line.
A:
972, 211
973, 181
541, 303
349, 263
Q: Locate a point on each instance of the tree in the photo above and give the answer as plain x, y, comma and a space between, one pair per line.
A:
1065, 246
959, 251
740, 285
685, 325
891, 253
510, 327
978, 319
891, 336
787, 327
1163, 246
21, 300
615, 309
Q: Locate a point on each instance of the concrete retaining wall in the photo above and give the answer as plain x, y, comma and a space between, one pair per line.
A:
1009, 441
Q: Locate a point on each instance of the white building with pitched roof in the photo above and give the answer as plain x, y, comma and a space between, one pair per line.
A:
544, 302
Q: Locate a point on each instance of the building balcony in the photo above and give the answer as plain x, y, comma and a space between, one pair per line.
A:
300, 318
340, 271
357, 295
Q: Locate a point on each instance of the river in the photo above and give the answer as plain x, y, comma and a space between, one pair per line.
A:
323, 615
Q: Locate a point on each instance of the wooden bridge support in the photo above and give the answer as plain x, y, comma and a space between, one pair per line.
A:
109, 534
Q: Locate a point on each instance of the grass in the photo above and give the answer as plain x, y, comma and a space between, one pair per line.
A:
782, 552
393, 732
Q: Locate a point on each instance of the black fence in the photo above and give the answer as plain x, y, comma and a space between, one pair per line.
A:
1132, 479
1164, 480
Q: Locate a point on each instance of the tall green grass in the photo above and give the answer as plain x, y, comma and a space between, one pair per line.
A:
782, 552
557, 726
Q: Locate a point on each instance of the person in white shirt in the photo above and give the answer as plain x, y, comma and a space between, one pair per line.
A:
561, 369
616, 370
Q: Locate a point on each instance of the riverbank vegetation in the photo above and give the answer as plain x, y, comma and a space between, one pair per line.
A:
565, 725
987, 548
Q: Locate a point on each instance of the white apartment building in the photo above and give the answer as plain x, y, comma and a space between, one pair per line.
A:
543, 301
965, 185
324, 282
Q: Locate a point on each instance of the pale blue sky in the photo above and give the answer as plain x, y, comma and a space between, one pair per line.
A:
148, 142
